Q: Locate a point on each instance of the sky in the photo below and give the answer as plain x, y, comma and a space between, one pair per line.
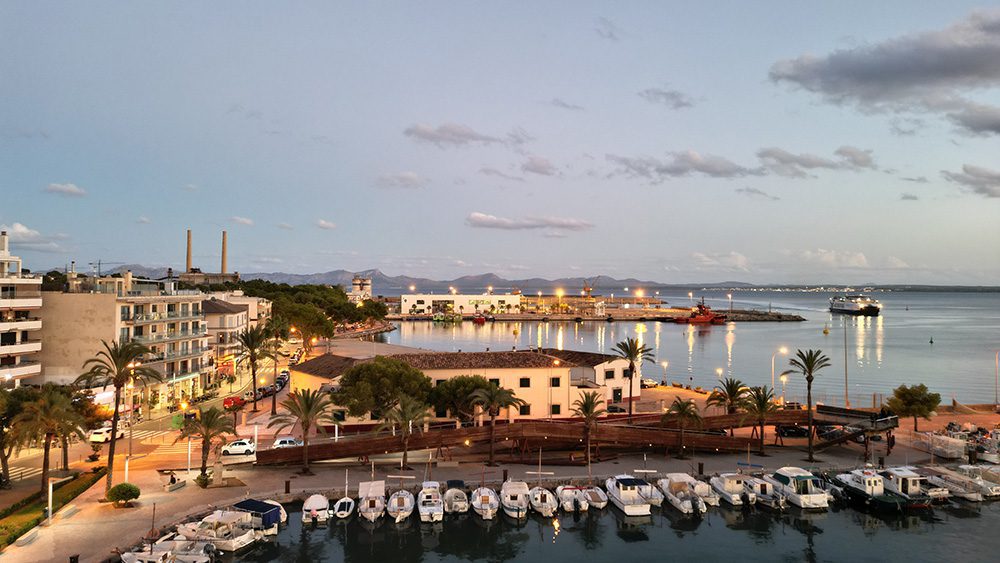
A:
678, 142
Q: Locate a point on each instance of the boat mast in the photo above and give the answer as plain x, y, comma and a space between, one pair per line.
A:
847, 400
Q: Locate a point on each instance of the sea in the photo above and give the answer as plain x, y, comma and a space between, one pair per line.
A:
945, 340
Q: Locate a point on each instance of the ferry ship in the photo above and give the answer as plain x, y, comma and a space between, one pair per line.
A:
855, 305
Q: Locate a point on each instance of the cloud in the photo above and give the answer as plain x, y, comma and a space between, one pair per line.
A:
915, 179
835, 258
190, 187
499, 174
485, 221
908, 197
681, 164
895, 263
608, 30
560, 103
918, 72
449, 135
905, 126
854, 157
241, 220
265, 260
324, 224
406, 179
785, 163
673, 99
65, 190
24, 237
731, 261
286, 226
976, 179
143, 220
539, 165
755, 193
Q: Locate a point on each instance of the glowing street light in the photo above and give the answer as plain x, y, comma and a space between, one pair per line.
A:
718, 372
691, 296
664, 363
784, 380
783, 351
730, 296
412, 288
489, 289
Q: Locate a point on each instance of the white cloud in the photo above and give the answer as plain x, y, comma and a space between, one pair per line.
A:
485, 221
608, 30
449, 135
66, 190
499, 174
242, 220
908, 197
731, 261
756, 193
143, 220
785, 163
24, 237
835, 258
681, 164
406, 179
286, 226
560, 103
190, 187
539, 165
673, 99
895, 263
324, 224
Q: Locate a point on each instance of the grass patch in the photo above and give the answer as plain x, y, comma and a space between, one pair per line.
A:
30, 514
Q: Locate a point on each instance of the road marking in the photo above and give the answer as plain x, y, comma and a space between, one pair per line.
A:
18, 473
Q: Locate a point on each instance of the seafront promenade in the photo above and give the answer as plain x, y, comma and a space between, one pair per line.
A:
634, 314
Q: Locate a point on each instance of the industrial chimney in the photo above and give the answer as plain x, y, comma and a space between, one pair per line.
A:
223, 253
188, 270
4, 249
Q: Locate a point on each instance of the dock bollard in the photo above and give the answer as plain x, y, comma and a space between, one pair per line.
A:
288, 486
505, 475
701, 468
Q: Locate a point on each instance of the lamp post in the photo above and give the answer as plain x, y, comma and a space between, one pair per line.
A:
781, 351
664, 363
718, 372
131, 411
996, 388
730, 296
691, 297
559, 295
784, 380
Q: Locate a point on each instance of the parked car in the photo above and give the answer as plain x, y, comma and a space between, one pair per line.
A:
239, 447
647, 383
615, 409
792, 431
103, 434
229, 402
793, 406
286, 442
285, 353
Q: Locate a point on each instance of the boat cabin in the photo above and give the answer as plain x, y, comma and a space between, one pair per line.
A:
732, 483
905, 480
799, 480
870, 481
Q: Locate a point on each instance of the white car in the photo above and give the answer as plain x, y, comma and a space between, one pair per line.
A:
286, 442
102, 435
239, 447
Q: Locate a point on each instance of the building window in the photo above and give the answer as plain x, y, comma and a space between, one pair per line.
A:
420, 301
438, 382
609, 374
125, 315
525, 410
556, 409
626, 373
525, 382
495, 381
555, 381
123, 337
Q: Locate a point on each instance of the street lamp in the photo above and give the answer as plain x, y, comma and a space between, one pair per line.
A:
730, 296
718, 372
691, 296
781, 351
489, 290
131, 410
784, 380
413, 288
559, 295
996, 388
664, 363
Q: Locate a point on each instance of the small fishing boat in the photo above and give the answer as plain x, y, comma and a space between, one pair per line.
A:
680, 494
515, 499
765, 494
170, 549
316, 508
596, 497
702, 314
455, 499
974, 475
799, 487
371, 500
485, 502
623, 490
866, 487
543, 501
400, 505
700, 488
572, 499
344, 507
227, 530
906, 483
958, 488
730, 487
649, 492
266, 515
430, 505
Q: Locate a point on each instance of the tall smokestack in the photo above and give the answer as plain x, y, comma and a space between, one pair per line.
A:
189, 252
3, 242
223, 252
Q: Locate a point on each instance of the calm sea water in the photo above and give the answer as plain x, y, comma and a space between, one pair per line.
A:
955, 532
881, 353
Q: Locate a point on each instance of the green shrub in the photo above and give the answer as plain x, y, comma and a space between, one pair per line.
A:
201, 481
123, 493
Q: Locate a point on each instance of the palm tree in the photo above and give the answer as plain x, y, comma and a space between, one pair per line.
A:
684, 412
588, 407
808, 363
46, 418
407, 414
759, 403
635, 353
728, 396
306, 408
116, 365
256, 347
277, 328
492, 400
210, 426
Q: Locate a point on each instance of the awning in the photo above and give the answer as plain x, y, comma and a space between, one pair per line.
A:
269, 514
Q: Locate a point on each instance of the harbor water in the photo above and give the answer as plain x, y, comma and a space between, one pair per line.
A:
882, 352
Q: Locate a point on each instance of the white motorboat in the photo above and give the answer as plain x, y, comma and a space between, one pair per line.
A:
316, 508
800, 487
974, 475
227, 530
169, 548
572, 499
485, 502
730, 488
958, 488
343, 508
266, 515
455, 499
514, 498
430, 505
700, 488
371, 500
765, 494
650, 493
596, 497
543, 501
680, 494
905, 482
623, 490
400, 505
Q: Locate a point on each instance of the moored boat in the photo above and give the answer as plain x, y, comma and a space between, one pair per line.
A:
765, 494
514, 498
430, 505
680, 494
572, 499
543, 501
974, 475
906, 483
316, 508
400, 505
650, 493
623, 491
730, 488
596, 497
855, 305
371, 500
227, 530
702, 314
485, 502
866, 487
169, 548
455, 499
957, 488
800, 488
266, 516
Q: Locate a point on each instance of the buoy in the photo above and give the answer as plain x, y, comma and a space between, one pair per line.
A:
826, 329
932, 340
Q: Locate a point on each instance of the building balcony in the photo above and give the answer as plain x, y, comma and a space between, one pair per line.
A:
23, 369
170, 336
22, 347
173, 356
17, 325
146, 318
20, 302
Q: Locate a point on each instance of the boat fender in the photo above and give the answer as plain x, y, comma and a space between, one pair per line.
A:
745, 498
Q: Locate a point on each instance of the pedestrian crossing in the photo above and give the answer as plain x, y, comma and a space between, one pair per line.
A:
18, 472
181, 447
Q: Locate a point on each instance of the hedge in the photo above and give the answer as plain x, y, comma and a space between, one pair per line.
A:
27, 513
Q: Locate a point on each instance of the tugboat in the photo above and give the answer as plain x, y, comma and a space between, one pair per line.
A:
702, 314
860, 305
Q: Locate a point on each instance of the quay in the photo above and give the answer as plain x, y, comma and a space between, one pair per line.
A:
642, 315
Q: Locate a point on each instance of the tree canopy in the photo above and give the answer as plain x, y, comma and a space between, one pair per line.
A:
455, 395
916, 401
375, 386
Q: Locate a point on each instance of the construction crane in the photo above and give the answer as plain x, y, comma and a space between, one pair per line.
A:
97, 265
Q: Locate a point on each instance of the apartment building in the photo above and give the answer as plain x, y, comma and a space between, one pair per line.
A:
225, 322
258, 308
20, 300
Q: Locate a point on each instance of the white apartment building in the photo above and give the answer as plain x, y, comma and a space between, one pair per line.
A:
225, 322
258, 308
20, 300
430, 303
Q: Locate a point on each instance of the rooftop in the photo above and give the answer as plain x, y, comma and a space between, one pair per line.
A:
588, 359
218, 307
